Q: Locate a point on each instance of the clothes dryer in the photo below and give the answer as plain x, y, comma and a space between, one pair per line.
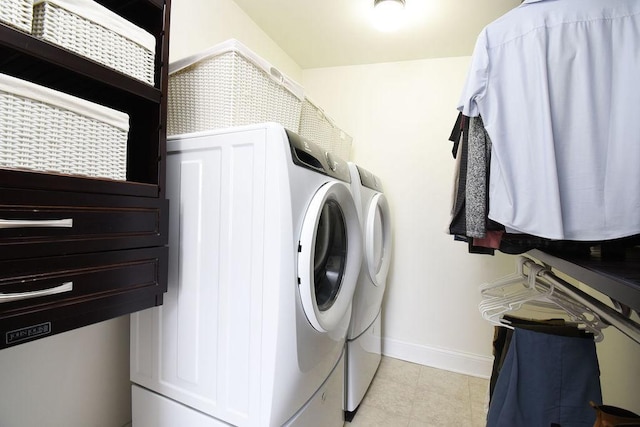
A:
265, 250
364, 339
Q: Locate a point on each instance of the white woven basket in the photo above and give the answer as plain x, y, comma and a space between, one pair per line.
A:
45, 130
316, 126
93, 31
341, 144
17, 13
229, 85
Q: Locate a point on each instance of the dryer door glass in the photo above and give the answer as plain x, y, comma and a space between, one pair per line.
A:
378, 239
330, 255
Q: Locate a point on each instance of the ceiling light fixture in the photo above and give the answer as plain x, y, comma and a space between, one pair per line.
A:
388, 14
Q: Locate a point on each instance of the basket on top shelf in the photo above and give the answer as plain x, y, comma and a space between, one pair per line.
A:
229, 85
45, 130
341, 144
93, 31
17, 13
317, 127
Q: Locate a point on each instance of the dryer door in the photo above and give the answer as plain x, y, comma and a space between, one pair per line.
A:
377, 239
329, 256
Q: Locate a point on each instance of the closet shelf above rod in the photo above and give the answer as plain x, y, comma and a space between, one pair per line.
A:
626, 325
618, 279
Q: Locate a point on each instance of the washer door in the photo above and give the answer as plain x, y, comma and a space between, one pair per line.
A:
377, 239
329, 256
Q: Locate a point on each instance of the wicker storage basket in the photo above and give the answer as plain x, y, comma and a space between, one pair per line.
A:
45, 130
17, 13
341, 144
95, 32
316, 126
229, 85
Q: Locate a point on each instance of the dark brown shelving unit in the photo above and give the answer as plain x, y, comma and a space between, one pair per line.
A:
115, 255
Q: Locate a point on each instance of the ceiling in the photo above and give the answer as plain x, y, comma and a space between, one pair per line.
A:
325, 33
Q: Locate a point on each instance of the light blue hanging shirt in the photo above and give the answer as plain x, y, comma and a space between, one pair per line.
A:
557, 83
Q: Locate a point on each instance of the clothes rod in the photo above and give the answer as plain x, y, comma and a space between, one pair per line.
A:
606, 313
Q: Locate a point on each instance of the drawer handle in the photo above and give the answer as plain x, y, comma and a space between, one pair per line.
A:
65, 287
25, 223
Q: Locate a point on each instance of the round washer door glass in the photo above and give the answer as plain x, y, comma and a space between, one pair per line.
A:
329, 256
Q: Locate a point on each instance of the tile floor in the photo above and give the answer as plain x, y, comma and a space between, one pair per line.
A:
405, 394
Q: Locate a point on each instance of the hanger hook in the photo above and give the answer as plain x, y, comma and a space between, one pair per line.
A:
534, 270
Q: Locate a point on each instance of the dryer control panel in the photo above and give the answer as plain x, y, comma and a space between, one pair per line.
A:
369, 180
309, 155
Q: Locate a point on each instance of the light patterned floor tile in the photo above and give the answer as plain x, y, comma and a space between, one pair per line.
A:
399, 371
370, 416
390, 396
479, 388
442, 409
449, 383
405, 394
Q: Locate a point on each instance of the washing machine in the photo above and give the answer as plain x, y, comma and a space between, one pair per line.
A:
364, 339
264, 254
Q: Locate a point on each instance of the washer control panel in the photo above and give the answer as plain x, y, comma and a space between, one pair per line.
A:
309, 155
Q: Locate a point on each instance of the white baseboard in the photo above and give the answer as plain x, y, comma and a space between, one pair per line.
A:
455, 361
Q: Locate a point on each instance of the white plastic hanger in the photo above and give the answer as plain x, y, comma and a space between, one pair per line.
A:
514, 278
495, 306
511, 292
579, 313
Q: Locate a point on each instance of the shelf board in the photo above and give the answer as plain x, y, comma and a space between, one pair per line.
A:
60, 58
619, 279
13, 178
117, 4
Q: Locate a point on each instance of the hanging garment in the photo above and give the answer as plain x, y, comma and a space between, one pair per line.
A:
470, 203
459, 136
492, 239
456, 134
469, 206
556, 83
545, 380
502, 338
477, 179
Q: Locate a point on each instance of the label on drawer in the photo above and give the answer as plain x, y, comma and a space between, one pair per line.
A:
28, 332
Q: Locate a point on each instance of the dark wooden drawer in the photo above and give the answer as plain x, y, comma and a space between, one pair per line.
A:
98, 287
41, 223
